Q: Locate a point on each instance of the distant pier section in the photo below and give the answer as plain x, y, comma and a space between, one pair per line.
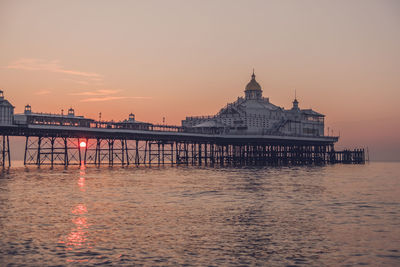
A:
248, 131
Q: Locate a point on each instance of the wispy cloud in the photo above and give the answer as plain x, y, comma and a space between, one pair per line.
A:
42, 92
83, 82
109, 98
104, 95
34, 64
97, 93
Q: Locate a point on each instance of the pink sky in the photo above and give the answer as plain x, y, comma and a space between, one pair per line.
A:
177, 58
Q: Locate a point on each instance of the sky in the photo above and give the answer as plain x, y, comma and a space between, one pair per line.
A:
175, 59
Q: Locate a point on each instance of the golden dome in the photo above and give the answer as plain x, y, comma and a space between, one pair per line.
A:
253, 84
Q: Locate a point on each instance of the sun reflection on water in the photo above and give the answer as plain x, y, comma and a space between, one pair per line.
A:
79, 209
78, 238
81, 183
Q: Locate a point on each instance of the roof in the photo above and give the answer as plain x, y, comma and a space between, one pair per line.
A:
248, 105
131, 122
311, 112
208, 124
4, 102
49, 115
258, 104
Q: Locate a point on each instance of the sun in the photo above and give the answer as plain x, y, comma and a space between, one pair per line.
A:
82, 144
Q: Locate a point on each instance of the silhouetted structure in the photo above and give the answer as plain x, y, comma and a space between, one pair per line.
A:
58, 139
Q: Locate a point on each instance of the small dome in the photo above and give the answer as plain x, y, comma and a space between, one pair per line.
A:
253, 84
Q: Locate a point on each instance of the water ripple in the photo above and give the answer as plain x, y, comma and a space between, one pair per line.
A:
288, 216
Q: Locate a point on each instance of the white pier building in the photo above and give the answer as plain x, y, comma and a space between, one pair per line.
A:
6, 111
255, 115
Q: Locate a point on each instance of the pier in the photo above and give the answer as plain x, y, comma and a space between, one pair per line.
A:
66, 145
250, 131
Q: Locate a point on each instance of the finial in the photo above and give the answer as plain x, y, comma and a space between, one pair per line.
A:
295, 94
253, 75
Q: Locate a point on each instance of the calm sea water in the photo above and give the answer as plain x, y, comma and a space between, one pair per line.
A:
313, 216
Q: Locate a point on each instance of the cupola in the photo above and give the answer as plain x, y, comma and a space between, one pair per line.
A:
295, 102
253, 89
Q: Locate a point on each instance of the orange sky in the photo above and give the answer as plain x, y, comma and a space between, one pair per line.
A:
177, 58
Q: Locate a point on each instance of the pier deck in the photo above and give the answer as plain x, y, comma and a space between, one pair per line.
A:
68, 145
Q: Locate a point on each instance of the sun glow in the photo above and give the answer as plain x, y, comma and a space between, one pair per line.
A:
82, 144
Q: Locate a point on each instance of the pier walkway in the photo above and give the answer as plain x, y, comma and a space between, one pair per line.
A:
71, 145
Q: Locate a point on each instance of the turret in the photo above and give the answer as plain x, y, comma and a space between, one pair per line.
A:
71, 112
28, 109
295, 105
131, 117
295, 102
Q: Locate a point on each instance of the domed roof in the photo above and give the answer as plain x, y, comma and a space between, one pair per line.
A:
253, 84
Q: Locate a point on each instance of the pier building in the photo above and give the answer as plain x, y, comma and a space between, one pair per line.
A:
131, 123
69, 119
6, 111
256, 115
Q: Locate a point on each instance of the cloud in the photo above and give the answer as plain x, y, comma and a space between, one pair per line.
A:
97, 93
42, 92
33, 64
86, 81
104, 95
78, 81
109, 98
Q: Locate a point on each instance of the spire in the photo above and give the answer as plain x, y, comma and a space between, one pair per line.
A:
253, 76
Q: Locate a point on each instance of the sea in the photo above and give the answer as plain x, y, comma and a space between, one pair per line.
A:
333, 215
